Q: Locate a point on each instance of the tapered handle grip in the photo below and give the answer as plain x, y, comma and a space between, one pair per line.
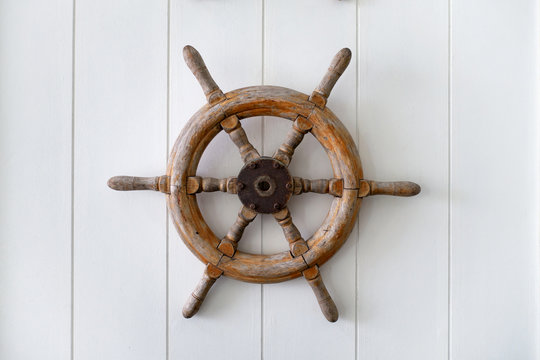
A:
337, 67
327, 305
129, 183
195, 300
197, 297
395, 188
197, 66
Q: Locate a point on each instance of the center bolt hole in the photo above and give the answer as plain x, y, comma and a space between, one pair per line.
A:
263, 185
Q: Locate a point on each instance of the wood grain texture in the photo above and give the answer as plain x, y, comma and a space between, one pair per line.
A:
495, 145
35, 186
120, 238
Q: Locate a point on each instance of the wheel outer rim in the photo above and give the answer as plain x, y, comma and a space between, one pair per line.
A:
264, 101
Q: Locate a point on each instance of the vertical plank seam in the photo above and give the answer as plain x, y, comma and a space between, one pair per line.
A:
72, 219
449, 190
537, 91
167, 134
357, 129
262, 152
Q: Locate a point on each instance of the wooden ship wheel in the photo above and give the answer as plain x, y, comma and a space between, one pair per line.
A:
264, 184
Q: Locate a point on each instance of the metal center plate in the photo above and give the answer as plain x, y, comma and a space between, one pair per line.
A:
265, 185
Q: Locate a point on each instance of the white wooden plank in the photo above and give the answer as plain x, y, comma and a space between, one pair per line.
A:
495, 180
35, 186
403, 135
228, 36
120, 129
301, 39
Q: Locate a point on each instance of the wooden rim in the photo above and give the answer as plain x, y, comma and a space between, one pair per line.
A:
264, 101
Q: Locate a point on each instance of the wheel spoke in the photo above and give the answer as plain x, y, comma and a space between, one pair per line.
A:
229, 243
294, 137
297, 244
233, 127
197, 184
322, 186
340, 62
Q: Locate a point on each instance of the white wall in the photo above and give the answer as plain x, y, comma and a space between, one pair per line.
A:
444, 93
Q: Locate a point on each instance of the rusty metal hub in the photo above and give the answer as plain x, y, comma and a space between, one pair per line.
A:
265, 185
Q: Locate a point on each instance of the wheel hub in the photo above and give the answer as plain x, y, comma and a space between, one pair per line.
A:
265, 185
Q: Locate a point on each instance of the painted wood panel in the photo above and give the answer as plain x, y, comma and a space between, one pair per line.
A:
403, 135
444, 93
120, 129
495, 180
300, 41
35, 186
228, 34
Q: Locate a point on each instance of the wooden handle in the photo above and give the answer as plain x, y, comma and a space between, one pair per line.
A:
327, 305
129, 183
195, 300
337, 67
396, 188
196, 64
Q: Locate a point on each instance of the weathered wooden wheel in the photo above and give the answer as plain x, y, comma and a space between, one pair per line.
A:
264, 184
